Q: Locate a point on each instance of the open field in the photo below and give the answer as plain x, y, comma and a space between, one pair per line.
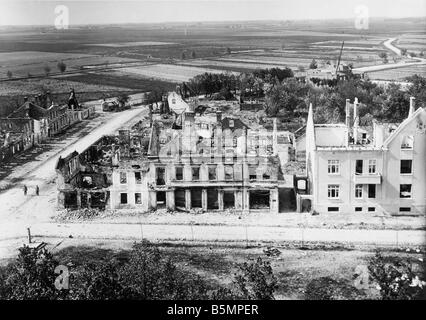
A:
398, 74
166, 72
101, 59
294, 267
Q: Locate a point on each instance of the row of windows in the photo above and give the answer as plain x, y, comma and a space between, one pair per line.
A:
369, 209
333, 191
406, 166
195, 171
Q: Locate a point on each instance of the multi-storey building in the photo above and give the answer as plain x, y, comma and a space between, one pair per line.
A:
204, 161
356, 169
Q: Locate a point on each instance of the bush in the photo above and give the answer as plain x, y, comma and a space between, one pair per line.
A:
326, 288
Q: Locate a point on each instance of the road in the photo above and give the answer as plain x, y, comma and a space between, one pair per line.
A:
23, 210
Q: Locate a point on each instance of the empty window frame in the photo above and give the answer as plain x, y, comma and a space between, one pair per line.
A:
229, 172
123, 198
406, 167
405, 191
358, 209
407, 142
333, 191
195, 173
138, 198
372, 191
123, 177
138, 177
333, 209
372, 166
212, 173
404, 209
371, 209
358, 166
179, 173
358, 191
333, 166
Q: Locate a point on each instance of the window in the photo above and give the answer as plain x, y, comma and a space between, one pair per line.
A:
179, 173
371, 190
123, 177
138, 177
212, 172
138, 198
266, 176
404, 209
358, 191
229, 172
123, 198
371, 209
333, 166
358, 166
195, 173
235, 142
372, 166
405, 191
333, 209
231, 123
252, 173
358, 209
406, 166
333, 191
160, 172
407, 142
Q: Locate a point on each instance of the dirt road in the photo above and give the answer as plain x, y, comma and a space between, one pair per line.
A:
26, 210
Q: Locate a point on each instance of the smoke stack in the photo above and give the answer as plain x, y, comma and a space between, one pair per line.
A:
348, 115
412, 106
219, 117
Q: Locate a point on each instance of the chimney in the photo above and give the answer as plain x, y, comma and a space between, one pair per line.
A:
412, 106
348, 113
219, 117
355, 108
274, 136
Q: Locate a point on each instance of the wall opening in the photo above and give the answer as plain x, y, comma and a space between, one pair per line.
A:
196, 198
180, 198
98, 200
212, 199
70, 200
160, 176
259, 199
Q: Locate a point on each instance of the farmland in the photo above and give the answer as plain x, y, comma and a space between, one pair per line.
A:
104, 59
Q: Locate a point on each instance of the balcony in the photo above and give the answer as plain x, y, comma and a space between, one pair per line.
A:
367, 178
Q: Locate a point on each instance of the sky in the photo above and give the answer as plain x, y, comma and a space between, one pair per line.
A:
42, 12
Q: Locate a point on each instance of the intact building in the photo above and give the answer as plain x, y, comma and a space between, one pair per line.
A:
357, 169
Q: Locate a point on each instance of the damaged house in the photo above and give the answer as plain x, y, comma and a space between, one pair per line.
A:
190, 161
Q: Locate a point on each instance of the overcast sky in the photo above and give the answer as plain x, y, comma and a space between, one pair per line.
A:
32, 12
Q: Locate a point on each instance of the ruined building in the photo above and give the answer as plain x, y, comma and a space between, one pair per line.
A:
195, 160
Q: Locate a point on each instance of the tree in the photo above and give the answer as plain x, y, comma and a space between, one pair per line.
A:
31, 276
122, 99
255, 281
62, 66
403, 51
193, 55
313, 64
46, 69
9, 74
228, 50
183, 55
384, 57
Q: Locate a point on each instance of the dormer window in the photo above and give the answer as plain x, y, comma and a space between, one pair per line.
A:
407, 142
